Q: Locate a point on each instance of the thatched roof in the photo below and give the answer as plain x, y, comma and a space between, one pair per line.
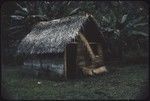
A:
52, 36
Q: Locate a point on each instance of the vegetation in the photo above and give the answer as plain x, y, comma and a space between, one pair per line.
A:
123, 23
122, 82
125, 27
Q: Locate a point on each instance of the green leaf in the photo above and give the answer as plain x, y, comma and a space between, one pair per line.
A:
16, 27
15, 32
75, 11
40, 9
136, 20
105, 19
22, 8
139, 33
17, 17
43, 17
18, 12
69, 3
124, 18
26, 3
114, 19
140, 24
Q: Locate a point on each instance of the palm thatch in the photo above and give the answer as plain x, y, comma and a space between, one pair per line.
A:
52, 36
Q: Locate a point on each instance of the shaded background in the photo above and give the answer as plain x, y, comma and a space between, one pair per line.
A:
123, 23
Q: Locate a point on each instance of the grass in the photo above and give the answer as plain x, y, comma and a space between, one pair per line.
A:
122, 82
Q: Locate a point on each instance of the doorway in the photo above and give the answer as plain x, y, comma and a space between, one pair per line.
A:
71, 52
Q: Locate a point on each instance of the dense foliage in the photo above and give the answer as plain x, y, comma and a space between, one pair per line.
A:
123, 23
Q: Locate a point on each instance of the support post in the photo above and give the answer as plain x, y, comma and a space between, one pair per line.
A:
65, 63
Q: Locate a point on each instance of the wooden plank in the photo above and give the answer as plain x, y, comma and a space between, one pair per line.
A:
71, 61
94, 71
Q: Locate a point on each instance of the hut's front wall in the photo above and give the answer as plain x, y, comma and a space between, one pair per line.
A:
83, 58
54, 64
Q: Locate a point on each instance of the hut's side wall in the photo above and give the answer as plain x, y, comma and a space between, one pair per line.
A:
54, 64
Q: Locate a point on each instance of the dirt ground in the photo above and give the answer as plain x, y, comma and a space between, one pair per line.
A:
121, 82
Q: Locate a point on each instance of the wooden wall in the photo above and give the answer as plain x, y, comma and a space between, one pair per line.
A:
55, 64
83, 58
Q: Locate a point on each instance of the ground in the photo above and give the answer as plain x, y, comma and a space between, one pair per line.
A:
122, 82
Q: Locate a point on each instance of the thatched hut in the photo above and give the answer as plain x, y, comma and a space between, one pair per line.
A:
66, 46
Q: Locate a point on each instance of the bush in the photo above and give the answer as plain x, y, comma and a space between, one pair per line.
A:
136, 56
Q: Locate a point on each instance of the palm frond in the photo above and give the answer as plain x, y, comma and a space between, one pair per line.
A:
136, 20
22, 8
140, 24
69, 2
42, 17
13, 33
74, 11
16, 27
139, 33
17, 17
105, 19
18, 12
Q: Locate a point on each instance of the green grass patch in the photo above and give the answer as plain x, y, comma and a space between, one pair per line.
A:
121, 82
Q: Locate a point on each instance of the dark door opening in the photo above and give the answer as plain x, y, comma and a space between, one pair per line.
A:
94, 48
71, 61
